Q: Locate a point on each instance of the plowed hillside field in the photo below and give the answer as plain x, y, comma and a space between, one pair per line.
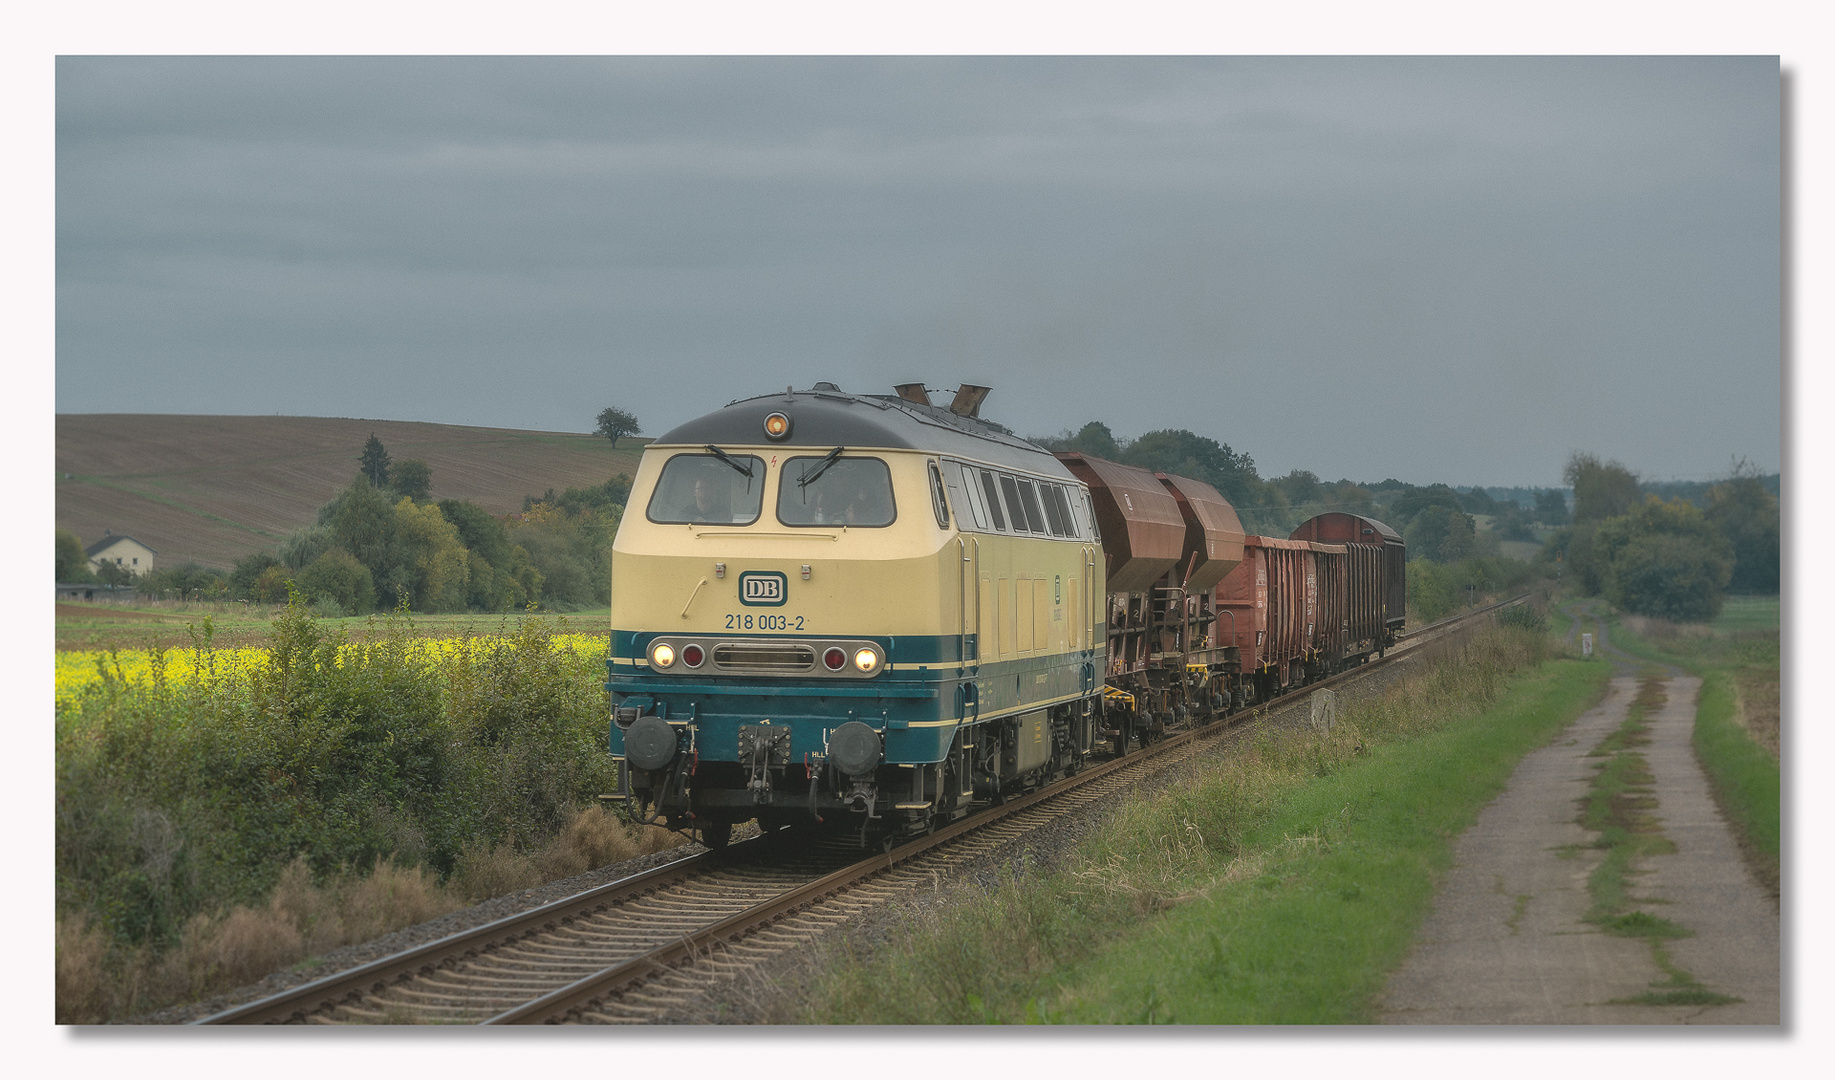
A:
213, 489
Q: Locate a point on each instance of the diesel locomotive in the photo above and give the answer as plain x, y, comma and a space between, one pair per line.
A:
870, 613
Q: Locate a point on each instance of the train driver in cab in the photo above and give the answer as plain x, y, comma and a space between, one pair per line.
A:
700, 507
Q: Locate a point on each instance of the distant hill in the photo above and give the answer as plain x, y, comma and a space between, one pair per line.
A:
214, 489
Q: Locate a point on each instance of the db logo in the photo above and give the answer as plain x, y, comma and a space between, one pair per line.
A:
763, 588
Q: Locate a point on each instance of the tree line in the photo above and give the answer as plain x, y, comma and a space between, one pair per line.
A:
1668, 557
1436, 520
1669, 549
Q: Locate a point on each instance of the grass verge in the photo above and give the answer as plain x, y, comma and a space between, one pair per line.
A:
1280, 886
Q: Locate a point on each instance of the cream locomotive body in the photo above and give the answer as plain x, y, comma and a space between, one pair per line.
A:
851, 610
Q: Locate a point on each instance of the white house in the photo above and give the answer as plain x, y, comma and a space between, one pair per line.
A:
123, 551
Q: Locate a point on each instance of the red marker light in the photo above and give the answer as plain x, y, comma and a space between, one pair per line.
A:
692, 656
835, 659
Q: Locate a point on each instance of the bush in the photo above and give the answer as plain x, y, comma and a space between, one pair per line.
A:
1436, 591
338, 579
1524, 617
1669, 577
271, 586
1664, 559
184, 800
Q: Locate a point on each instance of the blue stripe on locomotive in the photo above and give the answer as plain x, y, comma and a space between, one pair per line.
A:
918, 701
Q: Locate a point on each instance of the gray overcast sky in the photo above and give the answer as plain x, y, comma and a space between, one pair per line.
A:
1435, 269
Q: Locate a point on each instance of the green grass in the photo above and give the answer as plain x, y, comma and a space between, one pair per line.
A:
1282, 889
1748, 613
1746, 777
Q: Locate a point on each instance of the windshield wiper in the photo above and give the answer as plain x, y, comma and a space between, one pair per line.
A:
821, 466
742, 470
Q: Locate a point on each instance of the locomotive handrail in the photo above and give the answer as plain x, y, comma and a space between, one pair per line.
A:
962, 606
975, 575
773, 532
891, 689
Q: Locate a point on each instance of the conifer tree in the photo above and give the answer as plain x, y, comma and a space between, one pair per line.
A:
374, 464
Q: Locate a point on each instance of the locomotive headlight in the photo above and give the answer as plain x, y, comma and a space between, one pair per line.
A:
777, 426
662, 655
867, 660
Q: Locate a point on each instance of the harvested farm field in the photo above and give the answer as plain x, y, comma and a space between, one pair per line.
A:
213, 489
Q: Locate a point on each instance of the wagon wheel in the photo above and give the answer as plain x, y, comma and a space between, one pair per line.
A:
716, 834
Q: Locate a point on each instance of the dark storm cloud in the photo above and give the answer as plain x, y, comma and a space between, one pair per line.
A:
1434, 269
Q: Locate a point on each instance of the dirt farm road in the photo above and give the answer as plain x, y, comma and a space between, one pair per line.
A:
1506, 942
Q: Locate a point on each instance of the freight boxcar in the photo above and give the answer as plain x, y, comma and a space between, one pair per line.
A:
1276, 612
1374, 580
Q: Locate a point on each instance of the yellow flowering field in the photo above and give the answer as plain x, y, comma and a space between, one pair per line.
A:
79, 669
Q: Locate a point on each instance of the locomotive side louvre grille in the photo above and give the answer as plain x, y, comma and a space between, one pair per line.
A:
761, 656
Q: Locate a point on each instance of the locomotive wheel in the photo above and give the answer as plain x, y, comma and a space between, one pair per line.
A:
716, 834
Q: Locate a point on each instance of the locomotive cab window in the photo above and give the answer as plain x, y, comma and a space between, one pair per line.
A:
851, 491
702, 489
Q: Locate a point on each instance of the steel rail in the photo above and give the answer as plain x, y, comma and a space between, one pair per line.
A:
335, 989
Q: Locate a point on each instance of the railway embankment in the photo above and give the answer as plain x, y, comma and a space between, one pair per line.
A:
1277, 882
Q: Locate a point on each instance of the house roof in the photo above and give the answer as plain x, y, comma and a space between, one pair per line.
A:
110, 541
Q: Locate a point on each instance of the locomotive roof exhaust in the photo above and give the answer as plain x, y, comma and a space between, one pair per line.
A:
967, 401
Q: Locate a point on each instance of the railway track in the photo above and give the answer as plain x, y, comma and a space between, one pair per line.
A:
634, 950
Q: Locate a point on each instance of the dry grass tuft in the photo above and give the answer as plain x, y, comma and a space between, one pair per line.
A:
85, 986
485, 871
593, 838
1756, 707
238, 948
1663, 630
312, 911
390, 898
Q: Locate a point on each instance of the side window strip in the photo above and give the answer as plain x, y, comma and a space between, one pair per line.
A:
1029, 500
968, 516
971, 494
987, 485
1015, 512
1054, 514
